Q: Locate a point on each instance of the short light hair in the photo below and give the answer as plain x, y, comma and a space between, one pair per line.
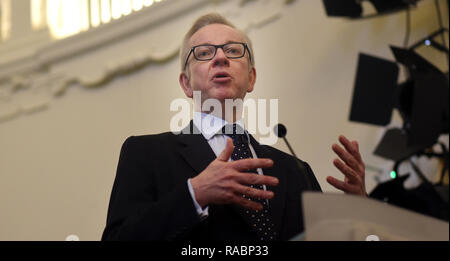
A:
211, 18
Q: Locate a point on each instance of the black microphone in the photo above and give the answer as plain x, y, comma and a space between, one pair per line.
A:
281, 131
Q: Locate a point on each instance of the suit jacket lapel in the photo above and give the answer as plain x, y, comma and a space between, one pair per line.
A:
277, 203
195, 149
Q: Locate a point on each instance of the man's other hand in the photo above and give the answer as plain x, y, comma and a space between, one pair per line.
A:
351, 165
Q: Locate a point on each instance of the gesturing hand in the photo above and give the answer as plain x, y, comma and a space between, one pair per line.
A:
224, 182
352, 167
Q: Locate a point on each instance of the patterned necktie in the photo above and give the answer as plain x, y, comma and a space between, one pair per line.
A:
260, 221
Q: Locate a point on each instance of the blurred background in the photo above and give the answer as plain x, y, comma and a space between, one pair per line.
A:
78, 77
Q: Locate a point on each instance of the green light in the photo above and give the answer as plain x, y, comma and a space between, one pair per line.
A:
393, 174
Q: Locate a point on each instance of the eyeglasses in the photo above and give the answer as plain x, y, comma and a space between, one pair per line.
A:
206, 52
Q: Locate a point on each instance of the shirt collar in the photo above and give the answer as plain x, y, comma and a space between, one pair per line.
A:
209, 125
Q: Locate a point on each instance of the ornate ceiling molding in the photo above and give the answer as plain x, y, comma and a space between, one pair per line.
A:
30, 82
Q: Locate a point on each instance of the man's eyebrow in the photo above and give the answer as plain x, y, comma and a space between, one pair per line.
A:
227, 42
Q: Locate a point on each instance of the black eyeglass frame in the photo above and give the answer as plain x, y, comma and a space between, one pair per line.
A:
246, 49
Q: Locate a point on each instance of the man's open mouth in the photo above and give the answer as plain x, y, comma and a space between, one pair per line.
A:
221, 77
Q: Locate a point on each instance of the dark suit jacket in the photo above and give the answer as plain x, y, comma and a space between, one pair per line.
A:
150, 199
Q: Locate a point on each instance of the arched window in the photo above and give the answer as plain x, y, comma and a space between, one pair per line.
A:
5, 19
68, 17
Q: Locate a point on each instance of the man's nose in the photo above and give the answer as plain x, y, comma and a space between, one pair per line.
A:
220, 59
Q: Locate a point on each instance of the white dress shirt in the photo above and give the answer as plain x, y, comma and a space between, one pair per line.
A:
209, 125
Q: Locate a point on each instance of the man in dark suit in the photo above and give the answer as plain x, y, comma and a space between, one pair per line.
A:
214, 181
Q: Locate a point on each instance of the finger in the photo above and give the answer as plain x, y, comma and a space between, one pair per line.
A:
248, 164
358, 154
345, 187
351, 147
350, 174
346, 157
256, 179
253, 192
226, 153
355, 143
247, 203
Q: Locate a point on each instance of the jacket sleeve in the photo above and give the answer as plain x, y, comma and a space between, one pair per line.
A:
313, 183
136, 211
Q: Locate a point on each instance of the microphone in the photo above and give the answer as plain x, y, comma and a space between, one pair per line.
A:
281, 131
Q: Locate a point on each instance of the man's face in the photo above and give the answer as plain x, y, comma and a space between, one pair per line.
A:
203, 75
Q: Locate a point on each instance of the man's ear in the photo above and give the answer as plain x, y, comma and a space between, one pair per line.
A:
251, 79
185, 84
